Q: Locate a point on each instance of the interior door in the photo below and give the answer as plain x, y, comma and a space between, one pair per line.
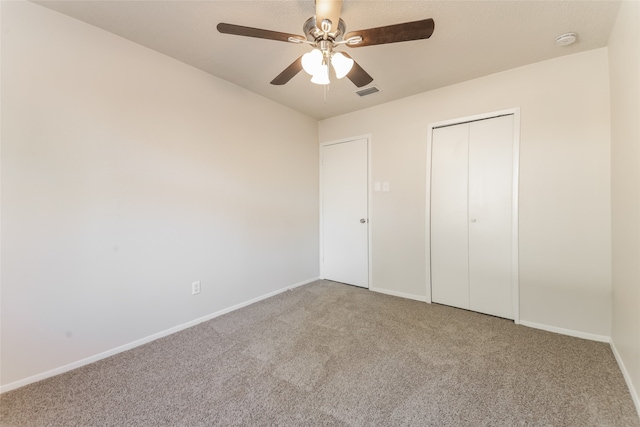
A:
345, 246
471, 215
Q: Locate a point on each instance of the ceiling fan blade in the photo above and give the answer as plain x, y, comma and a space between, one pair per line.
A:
328, 9
288, 72
358, 75
239, 30
404, 32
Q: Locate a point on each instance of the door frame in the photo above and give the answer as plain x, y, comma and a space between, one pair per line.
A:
366, 137
515, 278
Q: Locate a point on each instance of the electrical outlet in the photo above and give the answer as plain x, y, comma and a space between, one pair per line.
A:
195, 288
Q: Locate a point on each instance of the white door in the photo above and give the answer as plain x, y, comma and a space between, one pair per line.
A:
345, 253
490, 198
471, 216
449, 214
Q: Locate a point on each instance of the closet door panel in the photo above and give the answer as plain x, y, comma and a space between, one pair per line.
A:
490, 210
449, 216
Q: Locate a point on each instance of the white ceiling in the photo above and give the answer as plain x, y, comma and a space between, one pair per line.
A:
471, 39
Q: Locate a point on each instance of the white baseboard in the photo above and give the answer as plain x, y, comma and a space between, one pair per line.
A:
570, 332
62, 369
400, 294
627, 378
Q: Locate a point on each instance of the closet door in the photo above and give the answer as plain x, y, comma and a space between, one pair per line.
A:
471, 223
490, 196
449, 216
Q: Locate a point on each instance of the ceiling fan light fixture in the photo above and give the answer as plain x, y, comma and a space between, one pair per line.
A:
321, 77
341, 64
312, 62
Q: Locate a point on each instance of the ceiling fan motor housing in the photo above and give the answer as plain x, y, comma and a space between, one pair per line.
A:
313, 33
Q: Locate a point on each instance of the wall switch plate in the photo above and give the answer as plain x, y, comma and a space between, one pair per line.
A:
376, 186
385, 186
195, 288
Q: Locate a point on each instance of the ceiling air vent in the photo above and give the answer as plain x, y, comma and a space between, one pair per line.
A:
368, 91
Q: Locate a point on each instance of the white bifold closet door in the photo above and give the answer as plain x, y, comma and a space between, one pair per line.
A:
471, 216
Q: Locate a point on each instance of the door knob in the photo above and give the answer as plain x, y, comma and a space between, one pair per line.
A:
362, 220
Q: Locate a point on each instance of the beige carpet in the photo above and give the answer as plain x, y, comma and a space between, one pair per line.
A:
331, 354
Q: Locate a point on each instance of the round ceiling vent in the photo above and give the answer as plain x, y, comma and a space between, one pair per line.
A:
566, 39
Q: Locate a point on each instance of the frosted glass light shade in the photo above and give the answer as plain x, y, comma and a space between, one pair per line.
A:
341, 64
312, 61
321, 77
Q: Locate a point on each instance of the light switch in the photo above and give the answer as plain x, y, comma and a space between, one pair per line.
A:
385, 186
376, 186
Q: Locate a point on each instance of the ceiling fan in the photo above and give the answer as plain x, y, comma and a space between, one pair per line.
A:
325, 32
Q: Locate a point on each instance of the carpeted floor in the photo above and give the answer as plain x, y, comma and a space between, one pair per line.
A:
331, 354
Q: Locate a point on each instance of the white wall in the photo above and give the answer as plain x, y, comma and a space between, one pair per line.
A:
624, 63
565, 270
126, 175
